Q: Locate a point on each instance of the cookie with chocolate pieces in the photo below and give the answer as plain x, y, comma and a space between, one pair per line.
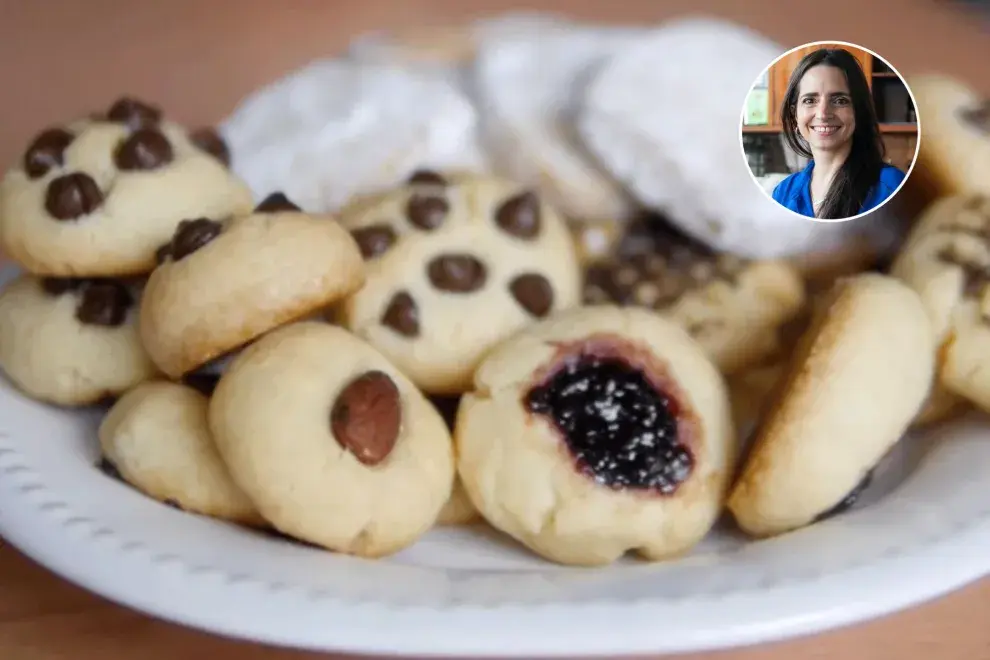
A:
221, 284
96, 197
453, 270
732, 306
72, 341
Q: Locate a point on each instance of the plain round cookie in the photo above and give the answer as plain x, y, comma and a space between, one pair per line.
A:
333, 444
157, 438
524, 475
72, 342
223, 284
858, 379
459, 510
453, 268
946, 260
96, 198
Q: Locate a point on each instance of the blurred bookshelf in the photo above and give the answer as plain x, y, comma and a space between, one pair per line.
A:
895, 110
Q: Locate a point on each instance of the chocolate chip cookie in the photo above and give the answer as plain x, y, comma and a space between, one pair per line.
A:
597, 432
955, 150
732, 306
859, 376
157, 438
221, 284
946, 259
98, 196
72, 341
454, 267
331, 441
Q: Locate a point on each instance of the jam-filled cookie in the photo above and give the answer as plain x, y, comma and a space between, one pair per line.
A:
453, 268
72, 341
955, 151
597, 432
459, 510
332, 442
157, 438
97, 197
858, 378
732, 306
221, 284
946, 259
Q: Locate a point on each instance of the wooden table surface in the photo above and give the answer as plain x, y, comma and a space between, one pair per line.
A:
59, 58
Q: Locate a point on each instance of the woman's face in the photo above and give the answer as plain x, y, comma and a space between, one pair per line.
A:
825, 116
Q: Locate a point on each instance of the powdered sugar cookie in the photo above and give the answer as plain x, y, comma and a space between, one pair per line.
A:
337, 129
600, 431
859, 377
72, 341
687, 162
528, 85
157, 438
333, 444
222, 284
453, 268
97, 197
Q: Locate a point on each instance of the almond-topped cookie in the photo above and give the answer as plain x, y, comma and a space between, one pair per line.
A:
333, 444
732, 306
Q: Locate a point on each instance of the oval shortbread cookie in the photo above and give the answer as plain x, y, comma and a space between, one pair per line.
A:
859, 376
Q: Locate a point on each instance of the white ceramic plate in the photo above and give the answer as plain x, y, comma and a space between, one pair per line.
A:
922, 529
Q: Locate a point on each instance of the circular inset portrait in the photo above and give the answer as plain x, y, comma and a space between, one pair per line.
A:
830, 131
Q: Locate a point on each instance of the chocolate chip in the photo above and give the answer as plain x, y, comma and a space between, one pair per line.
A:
978, 116
277, 202
56, 286
427, 177
427, 211
519, 216
163, 253
457, 273
46, 151
374, 240
191, 235
202, 382
145, 149
133, 113
210, 141
447, 407
367, 416
72, 196
402, 315
533, 292
106, 466
105, 304
173, 503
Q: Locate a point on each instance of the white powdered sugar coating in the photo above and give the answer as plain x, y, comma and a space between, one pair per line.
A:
336, 129
672, 136
527, 85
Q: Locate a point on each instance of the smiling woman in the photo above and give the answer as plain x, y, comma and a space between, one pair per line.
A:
827, 115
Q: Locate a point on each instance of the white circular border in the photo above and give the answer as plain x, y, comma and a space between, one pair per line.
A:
917, 146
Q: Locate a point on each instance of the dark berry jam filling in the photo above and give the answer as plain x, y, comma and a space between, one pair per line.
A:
622, 429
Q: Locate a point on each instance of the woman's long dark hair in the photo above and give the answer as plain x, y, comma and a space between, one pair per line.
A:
861, 171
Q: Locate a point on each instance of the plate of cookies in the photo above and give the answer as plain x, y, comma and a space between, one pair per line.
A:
426, 350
